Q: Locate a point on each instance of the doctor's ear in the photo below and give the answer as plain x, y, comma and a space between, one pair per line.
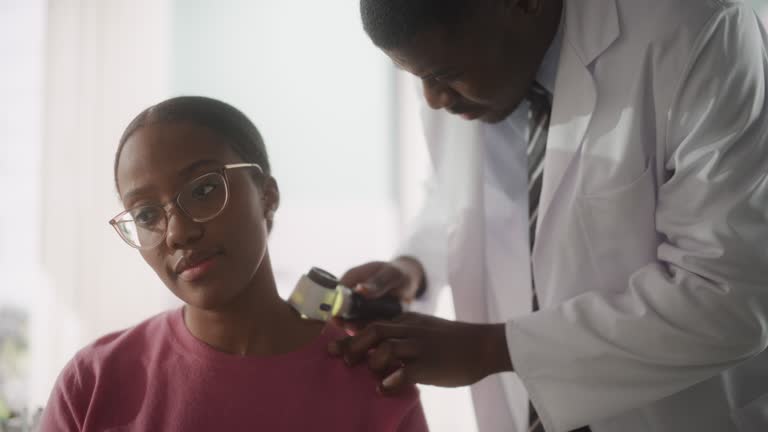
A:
528, 7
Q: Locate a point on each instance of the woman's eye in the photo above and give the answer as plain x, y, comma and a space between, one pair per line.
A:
203, 190
146, 216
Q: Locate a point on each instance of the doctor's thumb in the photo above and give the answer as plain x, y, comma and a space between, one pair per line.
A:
360, 274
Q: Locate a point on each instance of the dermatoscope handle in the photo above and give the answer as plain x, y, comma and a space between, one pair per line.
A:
382, 308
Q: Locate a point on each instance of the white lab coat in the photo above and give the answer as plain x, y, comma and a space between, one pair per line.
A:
651, 260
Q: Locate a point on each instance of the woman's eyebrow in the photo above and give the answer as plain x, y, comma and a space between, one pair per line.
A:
184, 172
194, 166
135, 192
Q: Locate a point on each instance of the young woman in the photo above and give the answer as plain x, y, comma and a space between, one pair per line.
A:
194, 177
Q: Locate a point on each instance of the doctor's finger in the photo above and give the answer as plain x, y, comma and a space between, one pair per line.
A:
360, 274
350, 327
391, 354
396, 381
387, 279
355, 348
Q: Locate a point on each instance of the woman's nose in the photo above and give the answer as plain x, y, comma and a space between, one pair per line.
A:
438, 96
181, 230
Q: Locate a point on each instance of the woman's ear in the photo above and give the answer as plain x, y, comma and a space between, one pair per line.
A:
270, 195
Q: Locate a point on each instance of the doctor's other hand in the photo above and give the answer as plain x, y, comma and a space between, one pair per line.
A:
401, 277
415, 348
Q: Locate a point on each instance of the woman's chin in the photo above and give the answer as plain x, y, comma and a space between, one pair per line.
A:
208, 296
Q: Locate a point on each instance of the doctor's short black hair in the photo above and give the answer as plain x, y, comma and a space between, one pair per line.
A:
393, 23
225, 120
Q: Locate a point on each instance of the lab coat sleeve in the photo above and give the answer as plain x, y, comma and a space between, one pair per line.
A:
426, 241
702, 306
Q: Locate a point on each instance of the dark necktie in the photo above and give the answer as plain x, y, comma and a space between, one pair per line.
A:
538, 128
538, 120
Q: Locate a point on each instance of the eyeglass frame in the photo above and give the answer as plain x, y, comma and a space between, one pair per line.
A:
175, 202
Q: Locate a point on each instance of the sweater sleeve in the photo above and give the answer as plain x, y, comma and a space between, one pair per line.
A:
414, 420
67, 404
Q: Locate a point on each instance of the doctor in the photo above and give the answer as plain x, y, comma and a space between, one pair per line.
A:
650, 258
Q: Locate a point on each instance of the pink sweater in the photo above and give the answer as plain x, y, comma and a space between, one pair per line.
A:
158, 377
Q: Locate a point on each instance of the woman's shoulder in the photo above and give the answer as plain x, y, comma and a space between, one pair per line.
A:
104, 363
125, 344
330, 389
361, 385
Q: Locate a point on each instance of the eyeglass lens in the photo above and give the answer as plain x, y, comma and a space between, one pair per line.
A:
202, 199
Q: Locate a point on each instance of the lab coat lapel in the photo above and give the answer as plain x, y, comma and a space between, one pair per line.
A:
585, 37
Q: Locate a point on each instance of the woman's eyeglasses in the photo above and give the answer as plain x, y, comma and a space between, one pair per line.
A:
202, 199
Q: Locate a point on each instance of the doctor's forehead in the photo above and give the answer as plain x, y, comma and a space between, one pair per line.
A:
426, 55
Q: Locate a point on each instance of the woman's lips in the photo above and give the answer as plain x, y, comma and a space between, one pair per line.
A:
200, 269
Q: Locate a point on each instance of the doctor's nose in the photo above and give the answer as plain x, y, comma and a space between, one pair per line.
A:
439, 96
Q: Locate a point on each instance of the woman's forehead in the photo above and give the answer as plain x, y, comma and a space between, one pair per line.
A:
159, 153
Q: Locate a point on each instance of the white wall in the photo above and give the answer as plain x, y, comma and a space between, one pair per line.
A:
22, 30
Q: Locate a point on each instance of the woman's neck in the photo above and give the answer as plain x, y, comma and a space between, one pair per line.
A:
257, 322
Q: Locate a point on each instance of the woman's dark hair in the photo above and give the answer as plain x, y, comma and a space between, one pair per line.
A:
224, 119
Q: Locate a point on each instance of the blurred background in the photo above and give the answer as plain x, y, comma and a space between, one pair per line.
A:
340, 123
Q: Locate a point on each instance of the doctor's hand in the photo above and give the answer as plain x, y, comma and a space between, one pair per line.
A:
400, 277
415, 348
